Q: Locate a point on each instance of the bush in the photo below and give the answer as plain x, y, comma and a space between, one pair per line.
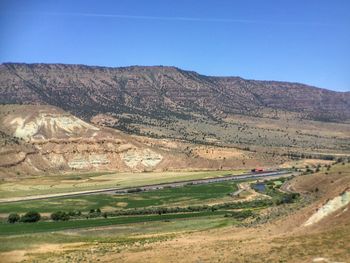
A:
240, 215
31, 217
13, 218
287, 198
134, 190
71, 213
60, 216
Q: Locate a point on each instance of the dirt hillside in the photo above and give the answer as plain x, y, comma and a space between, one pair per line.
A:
37, 138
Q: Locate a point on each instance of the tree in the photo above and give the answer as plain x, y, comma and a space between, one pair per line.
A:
60, 216
13, 218
31, 217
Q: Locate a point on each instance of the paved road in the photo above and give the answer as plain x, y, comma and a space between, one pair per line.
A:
203, 181
262, 175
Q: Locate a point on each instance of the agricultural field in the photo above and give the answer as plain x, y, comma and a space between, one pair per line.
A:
182, 196
189, 201
66, 183
116, 235
13, 229
121, 234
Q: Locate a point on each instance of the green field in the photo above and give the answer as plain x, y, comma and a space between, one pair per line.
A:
66, 183
26, 228
141, 228
182, 196
197, 201
116, 234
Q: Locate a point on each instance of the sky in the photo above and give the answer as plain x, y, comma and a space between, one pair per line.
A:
305, 41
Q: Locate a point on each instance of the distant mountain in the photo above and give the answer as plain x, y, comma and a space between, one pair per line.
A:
163, 92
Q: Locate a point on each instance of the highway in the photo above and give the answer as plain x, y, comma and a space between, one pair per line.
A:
247, 176
203, 181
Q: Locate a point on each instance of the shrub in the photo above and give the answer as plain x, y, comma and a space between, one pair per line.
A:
13, 218
134, 190
71, 213
31, 217
240, 215
60, 216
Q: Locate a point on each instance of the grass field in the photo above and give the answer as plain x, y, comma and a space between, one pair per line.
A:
65, 183
187, 195
26, 228
120, 233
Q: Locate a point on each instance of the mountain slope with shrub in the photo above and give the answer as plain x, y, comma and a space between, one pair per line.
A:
163, 92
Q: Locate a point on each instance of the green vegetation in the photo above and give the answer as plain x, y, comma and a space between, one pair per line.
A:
118, 234
240, 215
20, 228
190, 194
272, 188
66, 183
13, 218
60, 216
165, 204
30, 217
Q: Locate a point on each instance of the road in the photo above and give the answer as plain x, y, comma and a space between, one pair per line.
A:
262, 175
202, 181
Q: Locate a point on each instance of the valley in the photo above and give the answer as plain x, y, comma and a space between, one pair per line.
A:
160, 164
174, 131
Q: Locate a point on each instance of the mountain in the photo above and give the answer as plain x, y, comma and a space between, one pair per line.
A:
277, 118
163, 92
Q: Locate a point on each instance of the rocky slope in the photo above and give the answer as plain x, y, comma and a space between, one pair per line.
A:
36, 139
49, 138
162, 93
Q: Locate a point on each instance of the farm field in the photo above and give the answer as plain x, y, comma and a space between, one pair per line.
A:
182, 196
118, 233
65, 183
201, 200
12, 229
114, 237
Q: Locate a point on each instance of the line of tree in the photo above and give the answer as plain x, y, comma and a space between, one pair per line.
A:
33, 216
29, 217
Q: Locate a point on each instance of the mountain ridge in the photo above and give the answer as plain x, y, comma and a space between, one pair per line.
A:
161, 92
175, 68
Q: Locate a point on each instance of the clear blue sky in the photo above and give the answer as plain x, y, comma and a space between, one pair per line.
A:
294, 40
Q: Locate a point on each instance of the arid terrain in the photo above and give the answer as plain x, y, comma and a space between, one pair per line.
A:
159, 164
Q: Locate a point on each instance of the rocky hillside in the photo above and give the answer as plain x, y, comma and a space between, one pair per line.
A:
47, 138
111, 95
36, 139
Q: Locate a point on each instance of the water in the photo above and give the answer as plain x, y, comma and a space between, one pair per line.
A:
260, 187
